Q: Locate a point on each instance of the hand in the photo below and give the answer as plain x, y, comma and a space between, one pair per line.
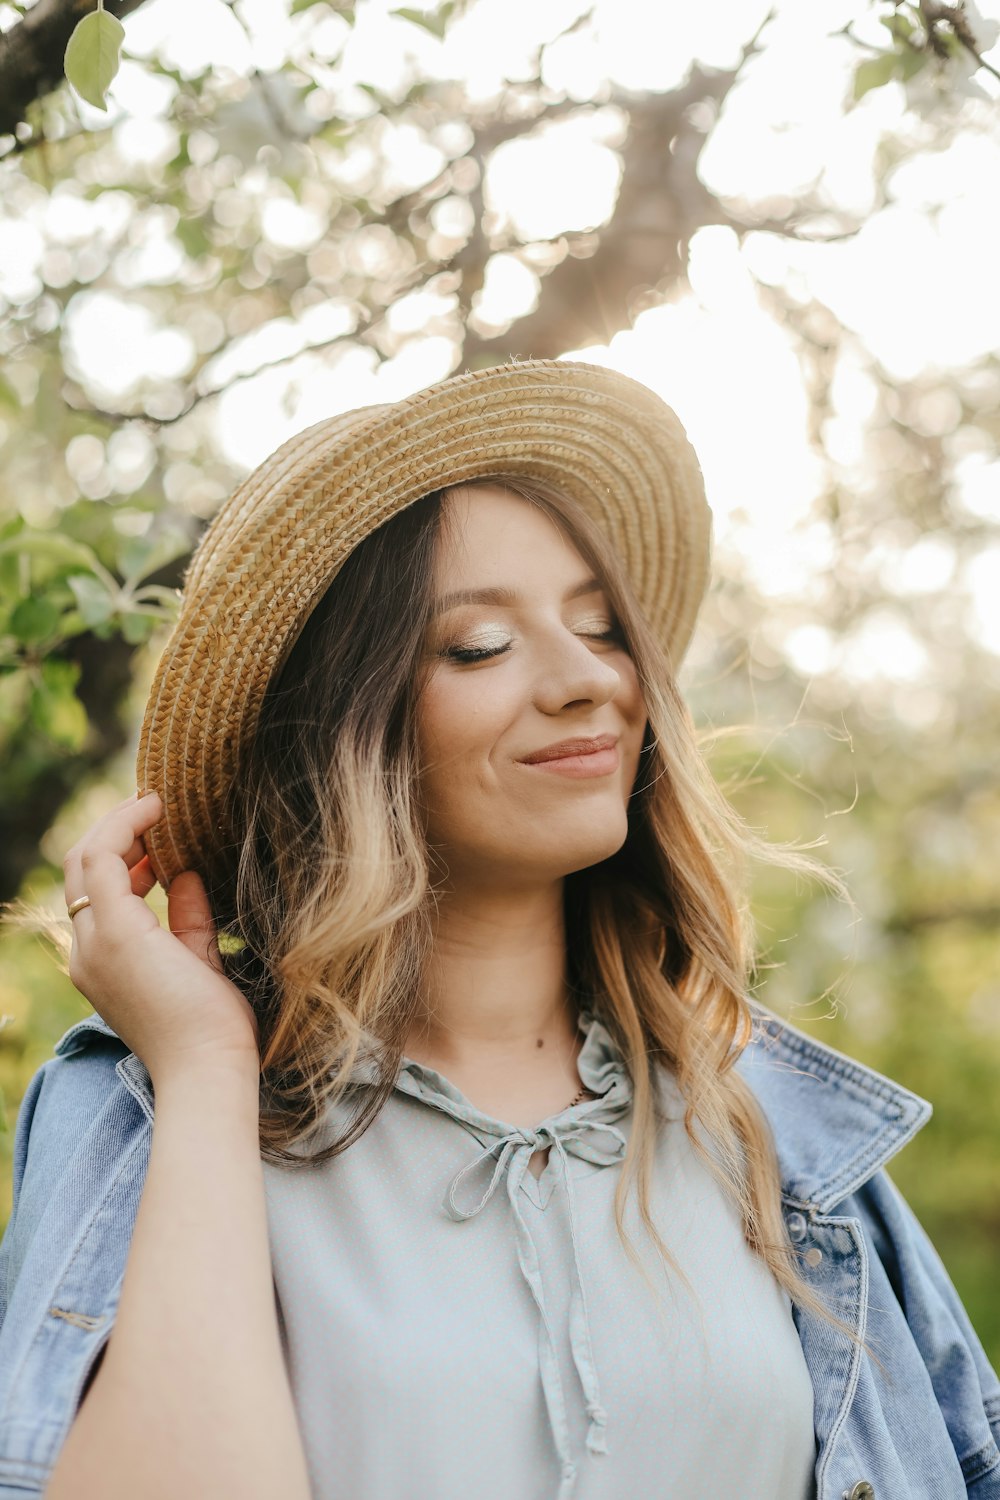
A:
163, 992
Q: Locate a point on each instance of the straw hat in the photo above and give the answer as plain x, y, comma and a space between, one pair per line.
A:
268, 556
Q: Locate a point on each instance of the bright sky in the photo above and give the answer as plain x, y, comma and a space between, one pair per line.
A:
716, 355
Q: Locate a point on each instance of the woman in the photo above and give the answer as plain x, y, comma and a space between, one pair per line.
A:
470, 1169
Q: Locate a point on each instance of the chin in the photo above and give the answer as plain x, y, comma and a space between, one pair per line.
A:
587, 862
576, 855
536, 847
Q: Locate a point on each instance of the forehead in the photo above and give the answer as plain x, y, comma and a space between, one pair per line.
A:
489, 530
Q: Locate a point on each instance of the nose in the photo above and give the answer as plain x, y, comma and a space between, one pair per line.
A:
571, 671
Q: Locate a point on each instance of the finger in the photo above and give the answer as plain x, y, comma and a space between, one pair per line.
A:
133, 857
134, 801
190, 918
100, 864
136, 861
81, 922
143, 876
138, 846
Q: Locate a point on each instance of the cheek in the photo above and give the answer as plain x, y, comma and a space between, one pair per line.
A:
629, 700
458, 721
441, 723
632, 706
630, 693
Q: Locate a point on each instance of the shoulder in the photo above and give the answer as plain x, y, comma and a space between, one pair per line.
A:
69, 1092
835, 1121
80, 1157
83, 1107
77, 1075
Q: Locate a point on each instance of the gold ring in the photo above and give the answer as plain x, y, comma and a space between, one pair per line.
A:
77, 905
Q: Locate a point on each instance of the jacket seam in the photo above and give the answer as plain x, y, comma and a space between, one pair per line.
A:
76, 1034
864, 1082
11, 1465
137, 1086
859, 1171
24, 1472
803, 1205
81, 1239
980, 1463
902, 1112
858, 1318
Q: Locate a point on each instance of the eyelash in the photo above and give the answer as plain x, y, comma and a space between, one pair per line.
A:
483, 653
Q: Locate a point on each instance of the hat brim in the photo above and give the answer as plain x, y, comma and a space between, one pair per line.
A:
276, 544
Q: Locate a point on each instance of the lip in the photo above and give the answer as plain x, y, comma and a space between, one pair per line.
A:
578, 758
564, 749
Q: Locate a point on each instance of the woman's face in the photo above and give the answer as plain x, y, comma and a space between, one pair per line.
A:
508, 676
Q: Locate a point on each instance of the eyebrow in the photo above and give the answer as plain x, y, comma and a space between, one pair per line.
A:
510, 597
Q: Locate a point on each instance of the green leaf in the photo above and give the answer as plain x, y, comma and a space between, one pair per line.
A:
137, 628
15, 690
434, 21
95, 603
50, 544
167, 601
337, 133
93, 56
8, 396
183, 158
873, 73
138, 556
911, 60
191, 233
72, 623
900, 27
54, 707
57, 675
33, 619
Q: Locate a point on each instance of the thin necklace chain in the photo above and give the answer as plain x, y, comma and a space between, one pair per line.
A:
581, 1093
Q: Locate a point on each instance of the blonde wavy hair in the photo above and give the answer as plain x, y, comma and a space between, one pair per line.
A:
325, 905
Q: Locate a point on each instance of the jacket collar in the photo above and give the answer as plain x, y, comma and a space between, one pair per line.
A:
76, 1038
835, 1121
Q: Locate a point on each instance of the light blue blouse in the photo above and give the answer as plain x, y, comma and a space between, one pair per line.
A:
455, 1327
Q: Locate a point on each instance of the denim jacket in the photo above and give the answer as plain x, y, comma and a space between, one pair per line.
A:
921, 1419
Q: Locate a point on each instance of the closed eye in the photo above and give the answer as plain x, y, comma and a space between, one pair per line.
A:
476, 653
484, 653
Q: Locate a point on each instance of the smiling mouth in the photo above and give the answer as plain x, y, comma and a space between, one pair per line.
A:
600, 762
564, 749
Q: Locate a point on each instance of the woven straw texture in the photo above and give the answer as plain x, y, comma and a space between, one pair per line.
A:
275, 545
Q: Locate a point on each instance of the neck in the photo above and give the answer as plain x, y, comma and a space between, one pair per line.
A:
496, 984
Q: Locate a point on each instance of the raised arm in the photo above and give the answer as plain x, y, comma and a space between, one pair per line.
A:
192, 1395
